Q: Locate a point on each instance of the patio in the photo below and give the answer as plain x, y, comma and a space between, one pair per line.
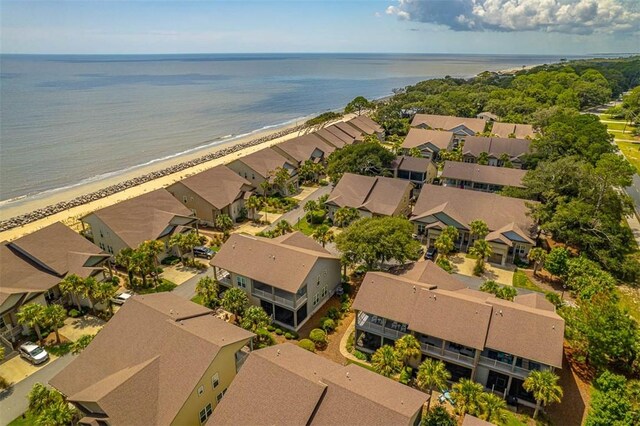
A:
74, 328
500, 274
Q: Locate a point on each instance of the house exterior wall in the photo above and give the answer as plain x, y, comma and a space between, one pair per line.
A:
103, 237
248, 173
224, 365
204, 210
404, 209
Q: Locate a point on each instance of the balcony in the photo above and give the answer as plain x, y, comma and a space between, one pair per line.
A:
447, 355
291, 302
503, 367
365, 323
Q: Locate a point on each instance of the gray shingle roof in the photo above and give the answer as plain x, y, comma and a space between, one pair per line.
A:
379, 195
483, 174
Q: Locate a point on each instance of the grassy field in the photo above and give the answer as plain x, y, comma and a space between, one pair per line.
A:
632, 152
630, 300
27, 421
305, 227
520, 280
619, 125
165, 285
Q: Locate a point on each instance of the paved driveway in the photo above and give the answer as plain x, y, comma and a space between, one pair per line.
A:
74, 328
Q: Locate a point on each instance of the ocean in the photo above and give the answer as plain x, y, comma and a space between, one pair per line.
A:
66, 120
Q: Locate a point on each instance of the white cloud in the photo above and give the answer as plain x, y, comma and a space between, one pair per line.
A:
563, 16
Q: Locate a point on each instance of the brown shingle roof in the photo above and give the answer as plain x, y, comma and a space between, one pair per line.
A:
535, 300
336, 131
483, 174
470, 420
142, 218
521, 131
447, 122
413, 164
330, 138
323, 392
429, 273
495, 147
303, 147
365, 125
266, 161
132, 367
282, 263
349, 130
418, 137
379, 195
465, 206
219, 186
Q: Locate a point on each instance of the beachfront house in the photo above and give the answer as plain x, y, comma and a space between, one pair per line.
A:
285, 384
429, 142
261, 166
480, 178
367, 126
156, 215
162, 360
290, 277
461, 127
371, 195
511, 130
512, 232
500, 152
308, 147
213, 192
355, 134
335, 136
32, 266
418, 171
492, 341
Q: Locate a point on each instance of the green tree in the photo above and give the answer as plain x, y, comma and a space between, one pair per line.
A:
466, 393
255, 318
59, 413
72, 286
492, 408
103, 292
483, 158
253, 203
323, 234
54, 316
367, 158
345, 215
556, 262
505, 160
415, 152
482, 250
396, 143
432, 374
444, 244
374, 241
126, 259
280, 178
82, 343
507, 292
357, 105
478, 228
282, 227
544, 387
385, 361
149, 251
438, 416
235, 301
407, 349
537, 255
208, 289
224, 223
41, 398
310, 171
615, 401
32, 315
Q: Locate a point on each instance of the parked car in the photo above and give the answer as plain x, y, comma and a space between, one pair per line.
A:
431, 253
204, 252
120, 298
33, 353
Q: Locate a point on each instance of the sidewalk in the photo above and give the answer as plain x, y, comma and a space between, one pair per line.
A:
343, 343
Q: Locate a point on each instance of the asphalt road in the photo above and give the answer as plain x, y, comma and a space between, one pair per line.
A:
14, 402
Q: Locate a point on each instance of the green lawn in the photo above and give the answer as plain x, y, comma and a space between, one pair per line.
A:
520, 280
368, 367
619, 125
197, 299
305, 227
630, 300
27, 421
165, 285
514, 420
632, 153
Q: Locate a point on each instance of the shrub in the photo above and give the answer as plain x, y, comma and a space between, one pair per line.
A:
264, 338
307, 344
350, 341
316, 217
323, 182
333, 313
405, 375
478, 269
360, 355
445, 264
4, 383
279, 331
328, 325
115, 280
170, 260
271, 328
74, 313
288, 336
319, 337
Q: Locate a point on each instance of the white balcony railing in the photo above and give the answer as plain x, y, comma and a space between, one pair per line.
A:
381, 330
446, 354
503, 366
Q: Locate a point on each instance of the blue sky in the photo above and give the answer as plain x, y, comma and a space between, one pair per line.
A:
416, 26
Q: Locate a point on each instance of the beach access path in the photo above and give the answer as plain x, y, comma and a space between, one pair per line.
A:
71, 217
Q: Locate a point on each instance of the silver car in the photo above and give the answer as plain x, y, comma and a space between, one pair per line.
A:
122, 297
33, 353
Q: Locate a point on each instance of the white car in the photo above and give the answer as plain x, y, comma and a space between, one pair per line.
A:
33, 353
122, 297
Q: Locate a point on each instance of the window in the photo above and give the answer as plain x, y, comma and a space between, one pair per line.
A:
318, 281
200, 390
205, 413
316, 299
184, 199
325, 291
215, 381
253, 176
101, 235
220, 395
241, 281
3, 325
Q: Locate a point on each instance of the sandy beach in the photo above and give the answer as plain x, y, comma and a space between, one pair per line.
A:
70, 217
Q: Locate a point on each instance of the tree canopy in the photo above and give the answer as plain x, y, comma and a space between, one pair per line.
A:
368, 158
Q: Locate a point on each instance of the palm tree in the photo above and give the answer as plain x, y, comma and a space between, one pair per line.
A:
432, 374
345, 215
310, 206
537, 255
208, 289
54, 315
408, 348
483, 158
88, 290
482, 250
282, 227
235, 301
478, 229
255, 318
492, 408
415, 152
323, 234
280, 178
253, 203
126, 259
466, 393
152, 249
40, 397
544, 387
32, 315
103, 293
178, 240
385, 361
72, 285
59, 413
444, 244
191, 240
82, 343
224, 223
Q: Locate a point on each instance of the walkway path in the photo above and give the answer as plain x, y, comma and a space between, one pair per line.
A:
343, 343
14, 402
187, 289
